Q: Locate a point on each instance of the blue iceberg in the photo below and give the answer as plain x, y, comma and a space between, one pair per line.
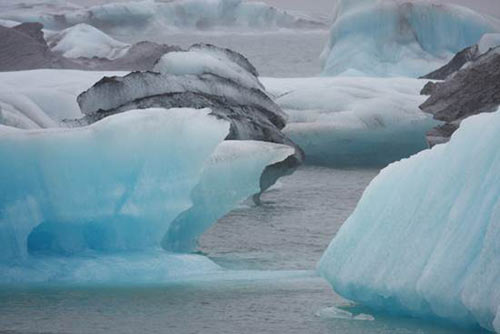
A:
424, 239
399, 38
231, 175
75, 200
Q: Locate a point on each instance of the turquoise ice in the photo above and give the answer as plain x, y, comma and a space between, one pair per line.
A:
424, 239
399, 38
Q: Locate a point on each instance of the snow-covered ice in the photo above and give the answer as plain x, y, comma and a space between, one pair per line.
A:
399, 38
346, 121
43, 98
83, 40
423, 240
200, 62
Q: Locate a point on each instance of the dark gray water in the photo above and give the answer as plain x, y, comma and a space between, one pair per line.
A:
280, 241
295, 224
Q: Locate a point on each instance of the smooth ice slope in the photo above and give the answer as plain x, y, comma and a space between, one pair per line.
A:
106, 187
399, 38
83, 40
230, 176
424, 238
345, 121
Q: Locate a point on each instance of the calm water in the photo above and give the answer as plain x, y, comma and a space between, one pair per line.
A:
269, 287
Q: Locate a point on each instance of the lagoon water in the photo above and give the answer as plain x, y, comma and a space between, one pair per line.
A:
269, 285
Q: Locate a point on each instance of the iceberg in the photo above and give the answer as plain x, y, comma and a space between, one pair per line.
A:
148, 17
83, 40
231, 175
399, 38
89, 205
202, 59
26, 46
423, 240
465, 57
67, 191
347, 122
43, 98
210, 77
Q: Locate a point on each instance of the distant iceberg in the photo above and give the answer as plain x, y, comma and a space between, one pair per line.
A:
424, 239
399, 38
149, 16
83, 40
347, 122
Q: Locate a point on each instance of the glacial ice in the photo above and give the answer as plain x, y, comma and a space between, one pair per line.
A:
92, 268
106, 187
91, 205
231, 175
200, 62
487, 42
149, 16
43, 98
344, 121
114, 92
423, 240
399, 38
83, 40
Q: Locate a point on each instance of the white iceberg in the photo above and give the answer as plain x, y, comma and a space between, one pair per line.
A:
83, 40
346, 121
198, 62
399, 38
43, 98
424, 239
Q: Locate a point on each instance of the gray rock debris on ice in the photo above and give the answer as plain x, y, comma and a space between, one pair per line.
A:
23, 47
474, 89
253, 115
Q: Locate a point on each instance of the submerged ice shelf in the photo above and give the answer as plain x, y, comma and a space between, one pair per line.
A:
424, 238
